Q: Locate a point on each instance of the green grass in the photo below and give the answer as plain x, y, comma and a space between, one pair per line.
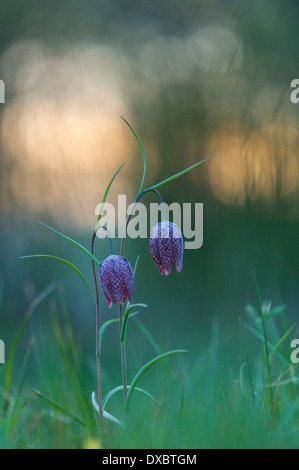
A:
204, 400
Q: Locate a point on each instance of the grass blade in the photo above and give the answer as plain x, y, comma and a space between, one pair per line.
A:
125, 319
137, 389
105, 414
88, 415
282, 339
148, 335
179, 174
143, 154
275, 311
157, 349
260, 336
34, 304
246, 358
267, 362
109, 322
103, 328
144, 369
68, 264
69, 366
59, 407
78, 245
106, 193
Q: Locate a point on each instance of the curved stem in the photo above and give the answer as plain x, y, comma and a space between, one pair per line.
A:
123, 356
131, 212
97, 339
109, 235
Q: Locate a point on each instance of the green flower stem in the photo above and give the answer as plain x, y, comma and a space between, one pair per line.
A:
131, 212
109, 235
98, 358
123, 355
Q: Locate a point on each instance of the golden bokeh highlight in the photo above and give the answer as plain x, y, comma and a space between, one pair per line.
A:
61, 136
64, 156
260, 164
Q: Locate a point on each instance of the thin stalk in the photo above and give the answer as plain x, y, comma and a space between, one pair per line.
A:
109, 235
98, 359
123, 356
131, 212
267, 362
246, 358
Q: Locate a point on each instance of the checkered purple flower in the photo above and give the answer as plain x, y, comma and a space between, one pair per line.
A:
116, 279
167, 247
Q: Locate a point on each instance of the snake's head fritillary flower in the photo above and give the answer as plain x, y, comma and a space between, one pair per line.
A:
167, 247
116, 279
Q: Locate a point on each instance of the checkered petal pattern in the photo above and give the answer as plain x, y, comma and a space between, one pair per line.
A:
167, 247
116, 279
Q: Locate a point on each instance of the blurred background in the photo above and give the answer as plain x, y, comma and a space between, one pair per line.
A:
193, 78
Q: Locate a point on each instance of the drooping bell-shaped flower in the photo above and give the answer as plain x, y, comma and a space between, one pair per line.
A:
167, 247
116, 279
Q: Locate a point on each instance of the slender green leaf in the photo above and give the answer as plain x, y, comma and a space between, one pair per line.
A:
275, 311
73, 242
143, 154
285, 326
246, 358
69, 367
13, 413
77, 370
179, 174
15, 416
158, 351
282, 339
125, 320
106, 193
59, 407
25, 402
136, 264
144, 369
109, 322
24, 368
137, 389
267, 362
148, 335
260, 336
68, 264
34, 304
105, 414
103, 328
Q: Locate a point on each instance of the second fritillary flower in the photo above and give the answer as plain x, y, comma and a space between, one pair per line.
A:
167, 247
